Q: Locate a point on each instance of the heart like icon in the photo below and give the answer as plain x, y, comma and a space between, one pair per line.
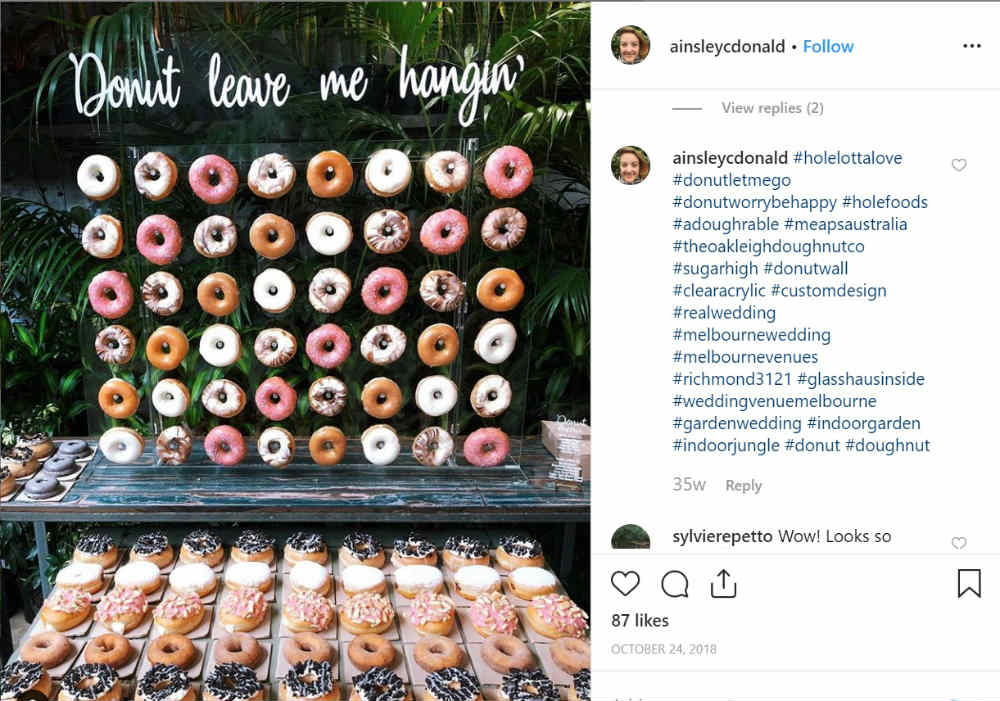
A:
959, 543
625, 582
959, 164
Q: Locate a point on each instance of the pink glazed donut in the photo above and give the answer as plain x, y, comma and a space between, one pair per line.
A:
213, 179
328, 346
384, 290
158, 239
486, 447
444, 232
224, 446
508, 172
110, 294
275, 399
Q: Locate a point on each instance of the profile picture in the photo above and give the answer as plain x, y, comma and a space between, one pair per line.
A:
630, 165
630, 44
630, 537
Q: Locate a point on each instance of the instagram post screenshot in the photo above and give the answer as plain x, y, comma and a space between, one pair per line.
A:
499, 351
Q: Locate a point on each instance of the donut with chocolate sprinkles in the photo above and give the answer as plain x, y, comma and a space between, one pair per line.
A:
232, 681
202, 542
379, 684
466, 547
163, 682
581, 685
150, 544
528, 685
19, 677
362, 545
306, 542
414, 545
89, 682
95, 543
309, 679
521, 547
254, 542
453, 684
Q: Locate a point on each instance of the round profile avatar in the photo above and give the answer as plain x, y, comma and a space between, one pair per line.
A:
630, 44
630, 537
630, 165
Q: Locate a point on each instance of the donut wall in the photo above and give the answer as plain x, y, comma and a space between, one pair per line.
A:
310, 304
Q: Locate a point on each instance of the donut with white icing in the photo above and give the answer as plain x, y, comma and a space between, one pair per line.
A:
388, 172
329, 290
491, 396
139, 575
383, 344
436, 395
121, 445
413, 579
98, 177
273, 290
223, 398
271, 176
220, 345
170, 397
380, 444
102, 237
433, 446
276, 446
329, 233
495, 341
328, 396
155, 175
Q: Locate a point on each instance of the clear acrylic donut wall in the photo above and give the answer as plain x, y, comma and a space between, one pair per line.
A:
418, 201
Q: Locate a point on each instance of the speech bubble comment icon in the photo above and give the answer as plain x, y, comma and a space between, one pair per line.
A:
675, 584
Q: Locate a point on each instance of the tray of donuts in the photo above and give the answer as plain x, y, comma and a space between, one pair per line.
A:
36, 468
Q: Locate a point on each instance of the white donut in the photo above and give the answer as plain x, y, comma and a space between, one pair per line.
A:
162, 293
275, 347
275, 446
436, 395
361, 578
274, 290
447, 171
249, 575
215, 236
388, 172
98, 177
264, 183
155, 175
140, 574
383, 344
329, 233
191, 578
121, 445
329, 290
170, 397
477, 579
491, 396
380, 444
433, 446
77, 574
419, 578
307, 575
102, 237
220, 345
223, 398
533, 578
495, 341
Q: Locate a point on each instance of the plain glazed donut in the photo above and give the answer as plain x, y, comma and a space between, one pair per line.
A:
436, 395
110, 294
223, 398
215, 236
327, 445
220, 345
446, 172
276, 446
500, 290
170, 397
381, 398
495, 341
306, 646
329, 233
433, 446
442, 290
118, 398
162, 293
504, 228
490, 396
274, 290
486, 447
329, 290
213, 179
224, 445
218, 294
272, 236
380, 444
158, 239
329, 174
47, 649
275, 347
241, 648
436, 652
98, 177
383, 344
444, 232
172, 649
388, 172
384, 290
371, 650
121, 445
508, 172
115, 344
275, 398
328, 396
502, 653
438, 345
102, 237
328, 346
166, 347
271, 176
155, 175
571, 655
111, 649
387, 231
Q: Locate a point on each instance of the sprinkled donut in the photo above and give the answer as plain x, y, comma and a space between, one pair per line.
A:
328, 346
329, 174
311, 680
433, 446
442, 290
379, 684
275, 399
556, 616
495, 341
166, 347
438, 345
218, 294
215, 236
115, 344
328, 396
121, 445
436, 652
213, 179
173, 445
383, 344
224, 445
272, 236
158, 239
436, 395
329, 233
90, 681
528, 685
329, 290
155, 176
98, 177
486, 447
380, 444
118, 398
491, 396
384, 290
447, 172
387, 231
271, 176
381, 398
327, 445
110, 294
444, 232
276, 446
170, 397
452, 684
504, 228
102, 237
162, 293
164, 683
388, 172
275, 347
231, 681
220, 345
508, 172
580, 691
223, 398
273, 290
500, 290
